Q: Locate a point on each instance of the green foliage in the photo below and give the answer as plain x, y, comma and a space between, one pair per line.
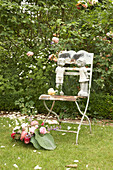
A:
101, 106
35, 143
30, 27
46, 141
26, 105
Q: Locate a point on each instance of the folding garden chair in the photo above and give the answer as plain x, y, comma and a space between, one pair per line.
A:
84, 65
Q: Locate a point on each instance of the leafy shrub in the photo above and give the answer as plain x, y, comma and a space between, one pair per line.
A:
30, 27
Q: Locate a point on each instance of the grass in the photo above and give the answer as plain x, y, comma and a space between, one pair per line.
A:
94, 151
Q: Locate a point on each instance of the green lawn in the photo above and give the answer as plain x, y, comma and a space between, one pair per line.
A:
94, 151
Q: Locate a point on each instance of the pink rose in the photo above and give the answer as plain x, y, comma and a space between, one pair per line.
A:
55, 40
51, 56
23, 134
55, 59
29, 53
43, 130
34, 123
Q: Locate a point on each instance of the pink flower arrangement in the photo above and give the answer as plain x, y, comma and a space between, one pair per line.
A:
26, 131
34, 133
43, 130
29, 53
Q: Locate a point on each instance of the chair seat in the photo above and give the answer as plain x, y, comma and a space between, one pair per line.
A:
60, 98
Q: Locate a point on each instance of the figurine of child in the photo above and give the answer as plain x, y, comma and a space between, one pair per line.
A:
83, 77
60, 70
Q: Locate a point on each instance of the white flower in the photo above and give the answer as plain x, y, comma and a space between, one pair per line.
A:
17, 128
21, 73
30, 71
17, 123
44, 67
94, 1
32, 129
24, 125
21, 118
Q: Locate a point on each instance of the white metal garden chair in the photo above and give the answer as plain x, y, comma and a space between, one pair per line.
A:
84, 71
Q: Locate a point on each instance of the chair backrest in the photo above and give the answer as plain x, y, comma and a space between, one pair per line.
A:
71, 58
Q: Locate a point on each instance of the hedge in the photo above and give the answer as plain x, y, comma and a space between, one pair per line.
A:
30, 27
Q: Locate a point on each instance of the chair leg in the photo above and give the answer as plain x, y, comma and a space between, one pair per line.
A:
50, 111
83, 115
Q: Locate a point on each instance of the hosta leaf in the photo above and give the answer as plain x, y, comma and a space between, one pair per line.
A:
35, 143
46, 141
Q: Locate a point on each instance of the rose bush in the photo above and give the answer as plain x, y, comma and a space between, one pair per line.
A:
30, 28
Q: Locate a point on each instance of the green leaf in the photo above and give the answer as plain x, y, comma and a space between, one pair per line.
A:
46, 141
35, 143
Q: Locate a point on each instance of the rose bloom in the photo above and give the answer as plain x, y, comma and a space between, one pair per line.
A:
55, 40
43, 130
13, 135
23, 134
51, 57
55, 59
27, 139
32, 129
29, 53
34, 123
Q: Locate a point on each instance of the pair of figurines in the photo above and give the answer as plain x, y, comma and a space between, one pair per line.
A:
60, 70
